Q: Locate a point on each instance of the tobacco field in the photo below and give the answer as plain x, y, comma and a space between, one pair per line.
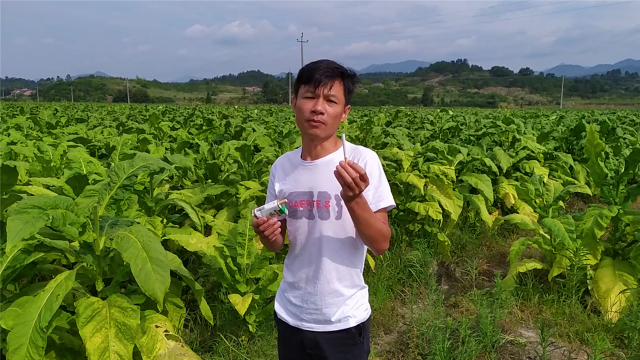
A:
122, 223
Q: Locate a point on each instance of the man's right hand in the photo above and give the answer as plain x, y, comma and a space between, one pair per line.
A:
269, 230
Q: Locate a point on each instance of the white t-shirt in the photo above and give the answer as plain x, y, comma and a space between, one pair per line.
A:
323, 288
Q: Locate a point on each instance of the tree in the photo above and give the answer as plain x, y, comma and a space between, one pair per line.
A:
67, 78
527, 71
500, 71
207, 100
427, 96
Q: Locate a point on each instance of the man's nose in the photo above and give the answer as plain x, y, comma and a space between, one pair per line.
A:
318, 106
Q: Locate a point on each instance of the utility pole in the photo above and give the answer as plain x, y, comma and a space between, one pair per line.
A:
71, 93
289, 86
128, 100
562, 91
301, 50
37, 94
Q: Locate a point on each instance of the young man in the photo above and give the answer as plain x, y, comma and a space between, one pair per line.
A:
336, 210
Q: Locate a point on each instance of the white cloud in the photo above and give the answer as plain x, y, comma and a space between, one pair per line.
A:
465, 41
127, 39
236, 30
143, 47
197, 30
368, 47
20, 40
313, 32
48, 41
182, 52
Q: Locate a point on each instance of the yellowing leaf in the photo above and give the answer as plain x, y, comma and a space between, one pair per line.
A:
109, 327
609, 283
431, 209
158, 340
372, 263
413, 178
240, 303
507, 191
520, 267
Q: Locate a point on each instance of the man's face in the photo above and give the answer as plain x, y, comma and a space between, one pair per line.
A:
319, 113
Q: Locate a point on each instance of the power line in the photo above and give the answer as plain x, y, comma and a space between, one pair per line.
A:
301, 50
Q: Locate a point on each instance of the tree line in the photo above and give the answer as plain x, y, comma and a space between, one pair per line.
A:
426, 86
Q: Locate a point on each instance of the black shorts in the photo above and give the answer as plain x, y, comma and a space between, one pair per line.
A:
349, 344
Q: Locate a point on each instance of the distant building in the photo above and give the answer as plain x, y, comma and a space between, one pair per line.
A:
252, 88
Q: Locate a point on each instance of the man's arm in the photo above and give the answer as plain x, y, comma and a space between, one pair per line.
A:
271, 232
373, 227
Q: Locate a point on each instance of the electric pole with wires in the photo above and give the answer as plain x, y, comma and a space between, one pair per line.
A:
301, 48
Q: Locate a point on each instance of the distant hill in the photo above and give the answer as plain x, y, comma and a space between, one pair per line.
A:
186, 78
570, 70
406, 66
97, 73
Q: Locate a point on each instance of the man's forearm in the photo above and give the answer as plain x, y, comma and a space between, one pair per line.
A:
374, 232
274, 245
277, 243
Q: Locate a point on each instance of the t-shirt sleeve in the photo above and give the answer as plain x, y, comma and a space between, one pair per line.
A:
378, 193
271, 187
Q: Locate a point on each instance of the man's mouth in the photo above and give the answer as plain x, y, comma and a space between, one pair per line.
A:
316, 122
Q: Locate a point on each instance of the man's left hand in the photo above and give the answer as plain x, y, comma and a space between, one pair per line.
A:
352, 178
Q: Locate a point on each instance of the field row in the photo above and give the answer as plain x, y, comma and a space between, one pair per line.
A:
125, 220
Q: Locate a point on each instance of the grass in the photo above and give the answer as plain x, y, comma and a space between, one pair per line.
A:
426, 309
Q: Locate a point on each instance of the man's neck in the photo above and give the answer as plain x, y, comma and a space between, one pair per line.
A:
314, 149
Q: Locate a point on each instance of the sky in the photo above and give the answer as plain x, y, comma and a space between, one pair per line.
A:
167, 40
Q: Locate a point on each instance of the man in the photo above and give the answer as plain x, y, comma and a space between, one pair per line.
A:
336, 210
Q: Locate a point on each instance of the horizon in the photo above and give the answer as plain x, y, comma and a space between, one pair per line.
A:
182, 78
187, 40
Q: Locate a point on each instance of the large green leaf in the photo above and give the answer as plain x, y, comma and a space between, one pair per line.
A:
33, 212
16, 257
158, 340
148, 260
430, 209
8, 177
413, 178
108, 327
562, 230
187, 277
520, 267
442, 192
506, 191
502, 159
610, 284
592, 227
631, 163
478, 204
481, 182
28, 338
594, 149
122, 175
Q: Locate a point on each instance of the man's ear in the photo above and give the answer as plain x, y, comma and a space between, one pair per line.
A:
293, 102
345, 113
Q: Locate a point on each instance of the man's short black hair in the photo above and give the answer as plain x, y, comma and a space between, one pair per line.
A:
324, 72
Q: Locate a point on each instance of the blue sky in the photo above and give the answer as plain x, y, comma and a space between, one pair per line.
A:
166, 40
